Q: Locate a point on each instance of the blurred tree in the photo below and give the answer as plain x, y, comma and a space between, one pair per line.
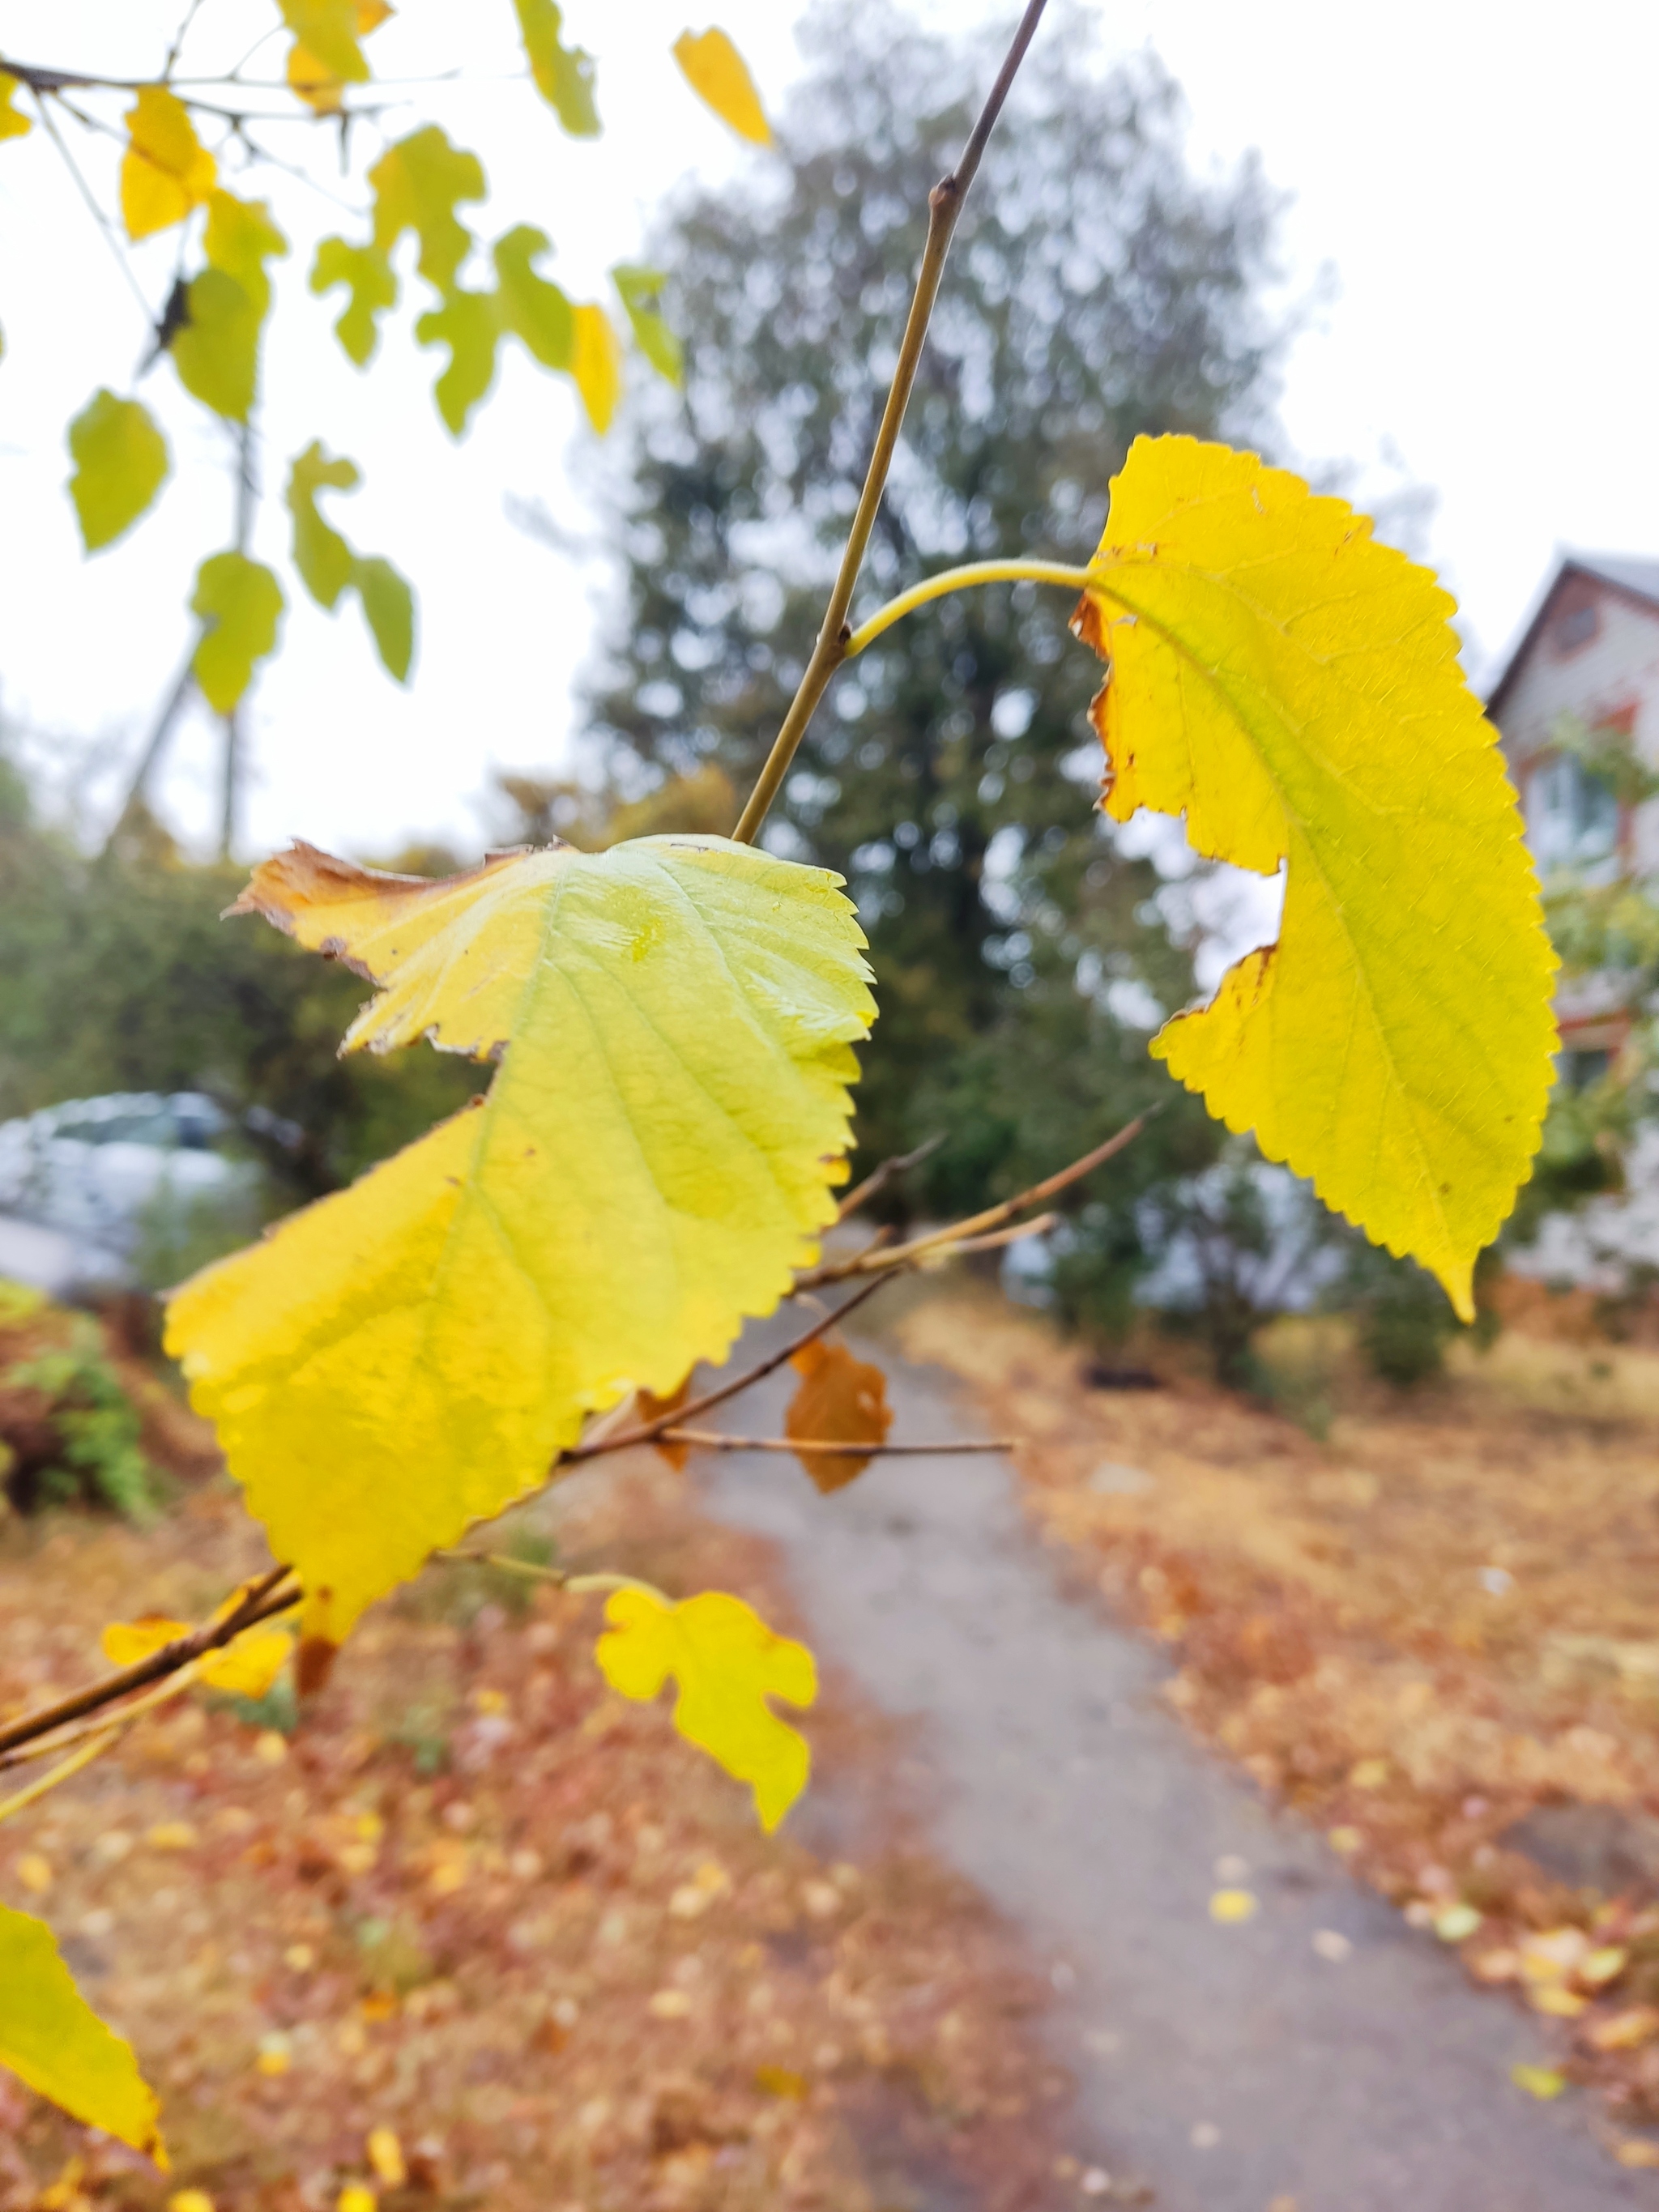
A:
1100, 291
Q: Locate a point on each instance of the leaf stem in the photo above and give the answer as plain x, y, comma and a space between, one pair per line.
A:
945, 205
718, 1440
957, 579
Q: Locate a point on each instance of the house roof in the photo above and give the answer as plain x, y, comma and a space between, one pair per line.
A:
1637, 579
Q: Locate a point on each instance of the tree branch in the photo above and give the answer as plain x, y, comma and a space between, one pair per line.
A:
945, 205
880, 1177
718, 1440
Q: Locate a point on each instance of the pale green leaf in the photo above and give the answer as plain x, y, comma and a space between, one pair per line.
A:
218, 351
641, 291
328, 30
470, 324
326, 562
372, 283
240, 603
563, 75
418, 184
536, 311
120, 463
1292, 688
726, 1663
656, 1153
388, 606
52, 2038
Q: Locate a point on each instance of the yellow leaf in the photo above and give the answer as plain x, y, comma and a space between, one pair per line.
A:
165, 170
1560, 2004
597, 365
385, 2157
1293, 687
727, 1662
329, 30
839, 1401
124, 1643
190, 2200
718, 75
1230, 1905
34, 1871
1624, 2031
316, 83
247, 1667
1541, 2082
1457, 1923
655, 1156
51, 2039
354, 2198
120, 463
12, 125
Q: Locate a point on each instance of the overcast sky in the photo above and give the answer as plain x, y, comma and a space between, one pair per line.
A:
1480, 183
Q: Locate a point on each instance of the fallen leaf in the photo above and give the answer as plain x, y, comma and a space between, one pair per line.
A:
386, 2157
726, 1663
839, 1399
779, 2081
34, 1871
1603, 1965
1636, 2151
1624, 2031
458, 1361
1457, 1923
1229, 1905
1558, 2003
1292, 688
1541, 2082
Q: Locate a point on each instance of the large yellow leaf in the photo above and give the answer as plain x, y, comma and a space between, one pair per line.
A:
718, 74
165, 170
1293, 687
727, 1662
51, 2038
655, 1157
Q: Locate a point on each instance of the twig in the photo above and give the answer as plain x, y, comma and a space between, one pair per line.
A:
99, 1741
880, 1177
649, 1431
956, 579
957, 1236
945, 205
49, 123
718, 1440
49, 1747
578, 1585
261, 1599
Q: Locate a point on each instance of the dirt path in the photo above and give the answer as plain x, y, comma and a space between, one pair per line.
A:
1320, 2056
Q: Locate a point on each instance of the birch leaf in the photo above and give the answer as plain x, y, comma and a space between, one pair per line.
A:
840, 1399
726, 1663
165, 170
563, 75
240, 603
120, 463
655, 1157
12, 125
52, 2038
1293, 687
719, 76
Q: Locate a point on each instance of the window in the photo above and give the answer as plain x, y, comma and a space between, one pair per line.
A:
1577, 627
1572, 816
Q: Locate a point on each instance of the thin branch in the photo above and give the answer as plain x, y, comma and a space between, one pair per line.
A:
955, 1236
945, 205
179, 37
717, 1440
649, 1431
880, 1177
258, 1601
49, 1747
49, 124
958, 579
578, 1585
97, 1743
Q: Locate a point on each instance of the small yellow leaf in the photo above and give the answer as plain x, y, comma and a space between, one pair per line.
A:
1369, 1773
166, 170
12, 125
1603, 1965
719, 75
1541, 2082
459, 1313
1624, 2031
1293, 689
190, 2200
386, 2157
1346, 1840
274, 2055
354, 2198
124, 1643
1229, 1905
247, 1667
1637, 2151
172, 1836
726, 1663
779, 2081
840, 1399
51, 2039
1457, 1923
670, 2004
315, 80
1560, 2003
34, 1871
597, 364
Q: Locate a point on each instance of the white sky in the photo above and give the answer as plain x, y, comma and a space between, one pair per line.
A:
1481, 182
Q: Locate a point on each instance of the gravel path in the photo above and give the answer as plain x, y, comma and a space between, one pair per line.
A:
1321, 2056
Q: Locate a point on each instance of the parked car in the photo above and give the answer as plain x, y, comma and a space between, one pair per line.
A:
98, 1193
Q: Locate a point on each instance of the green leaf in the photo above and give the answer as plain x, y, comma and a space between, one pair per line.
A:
534, 310
326, 562
640, 290
240, 603
659, 1148
52, 2038
388, 605
470, 324
563, 75
418, 184
328, 30
218, 351
371, 282
120, 463
12, 125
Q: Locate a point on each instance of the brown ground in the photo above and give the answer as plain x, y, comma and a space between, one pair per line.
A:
1434, 1632
479, 1901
